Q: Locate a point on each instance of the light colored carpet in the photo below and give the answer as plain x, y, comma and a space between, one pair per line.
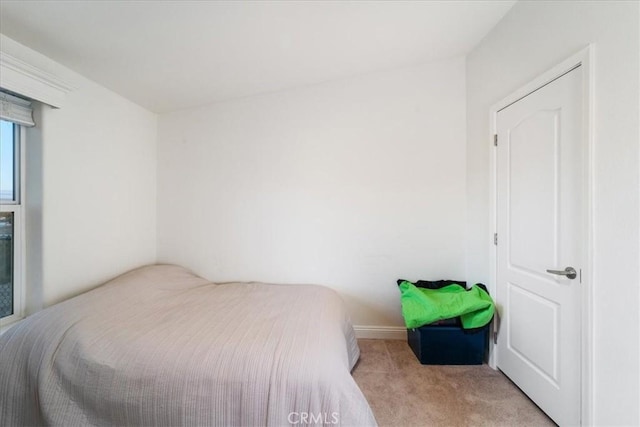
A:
402, 392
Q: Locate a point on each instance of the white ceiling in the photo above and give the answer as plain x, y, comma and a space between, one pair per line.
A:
170, 55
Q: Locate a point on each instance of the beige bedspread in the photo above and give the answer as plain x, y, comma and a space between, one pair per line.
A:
160, 346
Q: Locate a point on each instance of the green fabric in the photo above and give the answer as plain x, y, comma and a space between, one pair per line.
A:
422, 306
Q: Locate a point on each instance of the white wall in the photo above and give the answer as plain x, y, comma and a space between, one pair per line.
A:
91, 187
352, 184
532, 38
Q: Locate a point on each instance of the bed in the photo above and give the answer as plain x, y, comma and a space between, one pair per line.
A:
160, 346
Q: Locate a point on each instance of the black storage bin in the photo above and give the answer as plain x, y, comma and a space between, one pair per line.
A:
439, 344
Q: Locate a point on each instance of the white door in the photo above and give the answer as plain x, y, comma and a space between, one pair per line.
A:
540, 218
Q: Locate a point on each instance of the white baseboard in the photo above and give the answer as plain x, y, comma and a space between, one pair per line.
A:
380, 332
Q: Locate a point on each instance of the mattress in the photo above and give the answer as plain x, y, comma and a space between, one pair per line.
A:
161, 346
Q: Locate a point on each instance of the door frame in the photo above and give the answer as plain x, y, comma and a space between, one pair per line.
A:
585, 59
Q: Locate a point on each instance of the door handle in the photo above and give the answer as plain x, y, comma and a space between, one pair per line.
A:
570, 272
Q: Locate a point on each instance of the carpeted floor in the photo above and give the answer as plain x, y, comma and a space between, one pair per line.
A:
402, 392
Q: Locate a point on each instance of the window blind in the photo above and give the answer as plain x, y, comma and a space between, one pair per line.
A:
16, 110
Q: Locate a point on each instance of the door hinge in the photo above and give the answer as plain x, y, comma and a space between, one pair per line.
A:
495, 337
495, 239
495, 139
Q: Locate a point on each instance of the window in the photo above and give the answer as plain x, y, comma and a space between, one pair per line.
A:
28, 83
11, 230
